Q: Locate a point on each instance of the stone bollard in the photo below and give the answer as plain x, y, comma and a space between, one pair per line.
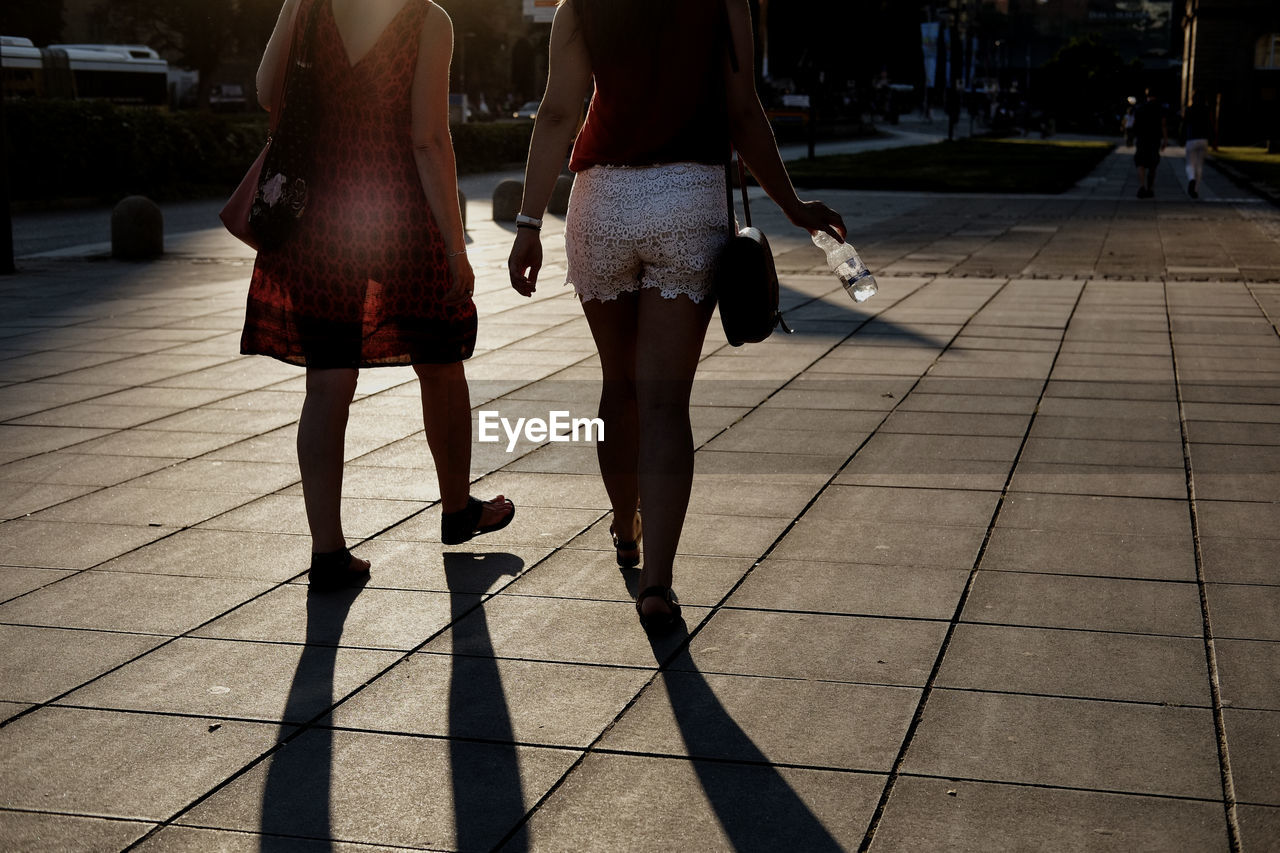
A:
507, 197
137, 229
462, 206
559, 204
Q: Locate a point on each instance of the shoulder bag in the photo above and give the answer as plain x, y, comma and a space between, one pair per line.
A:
273, 194
746, 281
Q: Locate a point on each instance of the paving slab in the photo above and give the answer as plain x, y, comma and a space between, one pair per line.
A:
565, 630
70, 833
1085, 603
1253, 742
778, 720
1244, 611
706, 805
802, 645
1249, 673
1080, 664
969, 817
1072, 743
157, 764
235, 680
1084, 552
1259, 828
364, 787
493, 699
38, 664
366, 618
181, 839
123, 601
911, 592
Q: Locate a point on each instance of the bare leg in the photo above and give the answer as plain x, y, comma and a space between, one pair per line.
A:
613, 325
322, 429
667, 342
446, 418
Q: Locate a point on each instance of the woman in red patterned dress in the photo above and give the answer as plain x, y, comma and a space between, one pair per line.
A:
376, 271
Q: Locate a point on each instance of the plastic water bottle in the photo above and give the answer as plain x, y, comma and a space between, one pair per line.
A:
847, 266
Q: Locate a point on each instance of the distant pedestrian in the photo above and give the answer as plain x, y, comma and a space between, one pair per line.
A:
1126, 124
376, 272
1197, 126
1151, 136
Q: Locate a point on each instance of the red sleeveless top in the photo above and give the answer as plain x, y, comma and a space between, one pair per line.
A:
660, 102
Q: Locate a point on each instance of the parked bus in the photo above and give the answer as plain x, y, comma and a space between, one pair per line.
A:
122, 74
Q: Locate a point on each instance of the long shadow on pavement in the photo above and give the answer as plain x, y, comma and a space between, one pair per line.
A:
757, 809
298, 787
488, 796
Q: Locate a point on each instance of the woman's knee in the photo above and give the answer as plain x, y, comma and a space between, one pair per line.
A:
432, 374
336, 385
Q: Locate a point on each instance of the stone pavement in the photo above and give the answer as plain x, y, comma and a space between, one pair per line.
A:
985, 563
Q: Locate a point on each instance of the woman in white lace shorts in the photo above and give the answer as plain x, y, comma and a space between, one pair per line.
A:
647, 218
655, 227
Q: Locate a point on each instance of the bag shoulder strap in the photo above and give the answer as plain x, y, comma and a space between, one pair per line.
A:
728, 165
300, 44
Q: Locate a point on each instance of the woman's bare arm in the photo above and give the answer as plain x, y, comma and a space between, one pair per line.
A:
753, 136
568, 83
274, 58
433, 145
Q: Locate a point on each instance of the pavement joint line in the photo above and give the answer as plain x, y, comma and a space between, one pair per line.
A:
683, 646
1227, 780
929, 686
1046, 786
1260, 292
1069, 697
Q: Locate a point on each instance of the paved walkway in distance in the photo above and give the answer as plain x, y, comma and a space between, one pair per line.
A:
985, 563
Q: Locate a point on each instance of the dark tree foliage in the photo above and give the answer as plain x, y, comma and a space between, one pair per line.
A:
38, 20
198, 34
1085, 85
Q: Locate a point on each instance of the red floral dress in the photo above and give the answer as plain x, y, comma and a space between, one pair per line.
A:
361, 281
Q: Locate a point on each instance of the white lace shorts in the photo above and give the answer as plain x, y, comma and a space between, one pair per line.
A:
649, 226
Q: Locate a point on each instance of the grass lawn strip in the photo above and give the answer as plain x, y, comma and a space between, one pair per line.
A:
965, 165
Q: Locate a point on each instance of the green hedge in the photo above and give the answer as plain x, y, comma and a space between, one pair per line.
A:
92, 150
491, 146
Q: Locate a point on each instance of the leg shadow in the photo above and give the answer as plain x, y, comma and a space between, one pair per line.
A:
296, 796
488, 795
755, 805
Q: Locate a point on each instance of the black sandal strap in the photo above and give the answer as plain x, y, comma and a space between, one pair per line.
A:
332, 570
463, 525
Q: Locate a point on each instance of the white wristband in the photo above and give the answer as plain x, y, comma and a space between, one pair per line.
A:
521, 219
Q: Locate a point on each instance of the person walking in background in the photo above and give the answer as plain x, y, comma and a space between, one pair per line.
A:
674, 85
1151, 136
376, 271
1197, 126
1126, 123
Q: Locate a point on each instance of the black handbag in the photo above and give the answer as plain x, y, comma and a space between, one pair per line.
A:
282, 191
746, 281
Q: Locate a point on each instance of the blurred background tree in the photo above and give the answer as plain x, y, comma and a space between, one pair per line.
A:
1086, 83
197, 34
38, 20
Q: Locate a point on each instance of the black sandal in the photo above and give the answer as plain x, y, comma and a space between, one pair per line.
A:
332, 570
461, 526
659, 623
632, 546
